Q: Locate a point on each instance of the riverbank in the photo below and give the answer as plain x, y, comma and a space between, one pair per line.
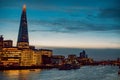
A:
95, 63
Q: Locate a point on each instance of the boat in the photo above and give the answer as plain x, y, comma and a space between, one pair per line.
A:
69, 67
65, 67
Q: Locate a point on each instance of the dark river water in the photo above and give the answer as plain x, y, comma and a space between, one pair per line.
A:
84, 73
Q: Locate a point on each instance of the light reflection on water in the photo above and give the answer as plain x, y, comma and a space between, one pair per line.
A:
18, 74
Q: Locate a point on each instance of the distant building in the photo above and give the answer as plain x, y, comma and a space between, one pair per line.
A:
7, 43
46, 56
57, 59
83, 58
83, 54
72, 56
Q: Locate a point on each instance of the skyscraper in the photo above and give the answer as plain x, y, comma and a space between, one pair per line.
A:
23, 40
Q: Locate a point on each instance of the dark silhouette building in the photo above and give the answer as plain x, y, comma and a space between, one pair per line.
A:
7, 43
83, 54
1, 42
23, 40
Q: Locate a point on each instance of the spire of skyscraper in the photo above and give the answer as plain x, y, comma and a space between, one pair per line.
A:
23, 40
24, 8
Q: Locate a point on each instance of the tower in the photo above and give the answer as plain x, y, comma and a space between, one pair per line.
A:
23, 40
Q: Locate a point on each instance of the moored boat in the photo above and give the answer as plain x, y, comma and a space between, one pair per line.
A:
69, 67
65, 67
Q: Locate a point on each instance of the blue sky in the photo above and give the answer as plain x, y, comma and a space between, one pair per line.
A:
64, 23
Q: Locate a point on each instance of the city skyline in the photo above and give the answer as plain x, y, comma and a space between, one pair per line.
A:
77, 23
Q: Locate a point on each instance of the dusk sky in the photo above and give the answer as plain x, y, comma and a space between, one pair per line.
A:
64, 23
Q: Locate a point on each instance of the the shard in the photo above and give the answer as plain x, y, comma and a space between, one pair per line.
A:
23, 40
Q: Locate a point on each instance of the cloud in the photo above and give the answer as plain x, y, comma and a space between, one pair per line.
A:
110, 13
72, 26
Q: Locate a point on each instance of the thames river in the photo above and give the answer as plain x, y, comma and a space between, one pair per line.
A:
84, 73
